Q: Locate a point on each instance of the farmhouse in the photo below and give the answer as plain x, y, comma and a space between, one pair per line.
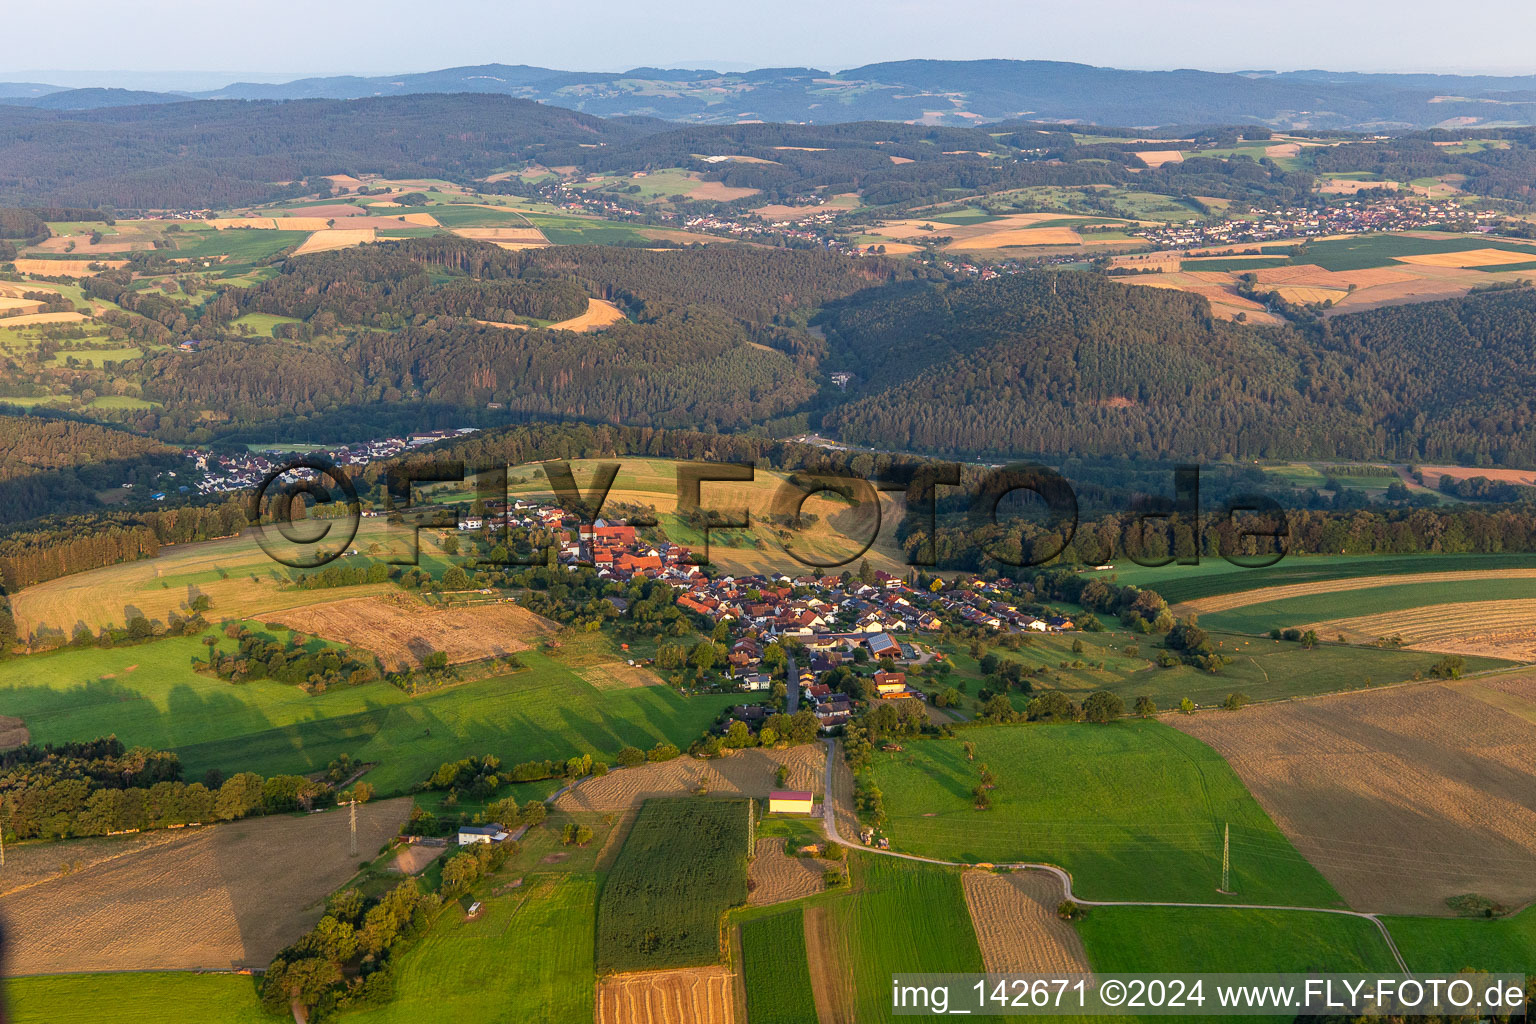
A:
471, 834
790, 801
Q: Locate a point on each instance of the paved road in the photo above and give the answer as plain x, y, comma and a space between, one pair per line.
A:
791, 685
829, 819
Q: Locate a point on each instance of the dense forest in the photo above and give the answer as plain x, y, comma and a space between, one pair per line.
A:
1055, 363
202, 155
59, 465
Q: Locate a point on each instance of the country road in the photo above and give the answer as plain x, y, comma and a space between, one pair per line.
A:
829, 820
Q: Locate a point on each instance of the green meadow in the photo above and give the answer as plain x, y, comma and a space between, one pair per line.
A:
149, 695
1452, 944
774, 965
1135, 810
135, 998
1137, 939
526, 957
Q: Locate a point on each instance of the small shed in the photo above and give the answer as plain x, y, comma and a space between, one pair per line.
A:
790, 801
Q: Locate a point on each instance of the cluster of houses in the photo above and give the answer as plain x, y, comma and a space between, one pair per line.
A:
236, 471
1353, 216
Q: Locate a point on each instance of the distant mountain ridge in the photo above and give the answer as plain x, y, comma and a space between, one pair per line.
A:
930, 91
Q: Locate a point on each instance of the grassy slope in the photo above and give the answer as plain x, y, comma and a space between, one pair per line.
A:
527, 957
773, 960
1450, 944
1134, 810
546, 711
136, 999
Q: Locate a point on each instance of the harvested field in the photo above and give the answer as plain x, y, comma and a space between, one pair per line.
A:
331, 212
32, 319
780, 212
1158, 157
523, 236
223, 896
841, 797
1401, 797
1016, 923
66, 268
414, 858
1495, 629
302, 223
1283, 149
1349, 186
617, 675
1262, 595
402, 630
1304, 296
600, 313
831, 983
19, 307
693, 995
776, 877
13, 732
1023, 236
744, 773
325, 240
257, 223
1469, 258
28, 864
1432, 475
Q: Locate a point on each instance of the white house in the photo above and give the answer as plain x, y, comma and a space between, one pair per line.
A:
471, 834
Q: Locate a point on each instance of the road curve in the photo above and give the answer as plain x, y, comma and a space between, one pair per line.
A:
829, 820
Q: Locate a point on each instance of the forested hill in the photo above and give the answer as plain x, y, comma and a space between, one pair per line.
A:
713, 338
204, 155
59, 464
960, 92
1072, 363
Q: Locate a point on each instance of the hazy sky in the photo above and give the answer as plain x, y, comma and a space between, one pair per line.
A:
232, 39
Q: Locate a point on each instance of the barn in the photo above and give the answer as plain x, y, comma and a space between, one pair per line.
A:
790, 801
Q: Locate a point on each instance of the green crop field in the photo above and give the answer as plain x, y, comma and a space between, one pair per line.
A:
584, 230
773, 962
1134, 810
526, 957
683, 864
474, 217
148, 695
964, 215
240, 245
1380, 250
135, 999
1451, 944
905, 917
1135, 939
